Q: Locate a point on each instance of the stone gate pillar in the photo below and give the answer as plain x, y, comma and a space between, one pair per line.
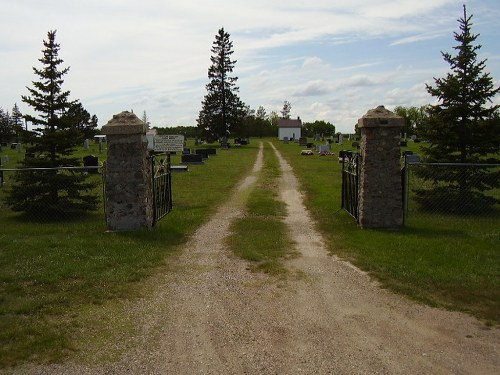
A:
128, 180
380, 194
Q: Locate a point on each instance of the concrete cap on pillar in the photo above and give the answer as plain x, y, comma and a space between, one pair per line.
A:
380, 117
125, 123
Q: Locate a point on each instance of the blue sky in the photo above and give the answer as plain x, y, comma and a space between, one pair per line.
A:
332, 60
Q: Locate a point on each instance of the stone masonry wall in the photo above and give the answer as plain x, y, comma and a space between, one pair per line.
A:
128, 174
380, 199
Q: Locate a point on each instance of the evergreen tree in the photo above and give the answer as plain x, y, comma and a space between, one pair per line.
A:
16, 122
222, 110
5, 128
464, 127
81, 119
53, 142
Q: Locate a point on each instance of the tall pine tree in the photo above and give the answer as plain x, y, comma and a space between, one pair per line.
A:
222, 110
463, 128
52, 144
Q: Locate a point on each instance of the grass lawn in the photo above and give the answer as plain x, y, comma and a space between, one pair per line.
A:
442, 261
261, 236
51, 272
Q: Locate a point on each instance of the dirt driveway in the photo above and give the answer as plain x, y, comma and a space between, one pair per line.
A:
209, 315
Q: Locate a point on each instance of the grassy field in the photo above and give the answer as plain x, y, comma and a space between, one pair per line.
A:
450, 262
51, 272
261, 236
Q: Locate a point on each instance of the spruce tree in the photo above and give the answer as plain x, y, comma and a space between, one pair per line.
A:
16, 122
463, 127
5, 128
52, 144
222, 110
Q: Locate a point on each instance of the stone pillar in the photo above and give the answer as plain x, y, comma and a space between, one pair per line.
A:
128, 179
380, 194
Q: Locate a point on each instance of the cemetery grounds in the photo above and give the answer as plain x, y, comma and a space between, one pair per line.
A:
177, 300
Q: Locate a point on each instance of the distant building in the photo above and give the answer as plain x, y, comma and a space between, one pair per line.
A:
289, 128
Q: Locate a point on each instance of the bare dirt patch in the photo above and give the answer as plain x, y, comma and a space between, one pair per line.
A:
209, 315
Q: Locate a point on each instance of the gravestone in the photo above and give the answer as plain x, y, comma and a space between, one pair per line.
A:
211, 151
186, 151
341, 139
192, 159
91, 161
203, 152
303, 141
285, 140
325, 149
412, 159
86, 144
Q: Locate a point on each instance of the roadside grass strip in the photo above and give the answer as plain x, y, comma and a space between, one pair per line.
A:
261, 236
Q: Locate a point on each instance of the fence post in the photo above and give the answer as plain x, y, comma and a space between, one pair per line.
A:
380, 203
128, 176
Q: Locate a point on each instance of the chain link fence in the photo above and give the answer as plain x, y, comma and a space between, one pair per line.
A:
52, 194
452, 190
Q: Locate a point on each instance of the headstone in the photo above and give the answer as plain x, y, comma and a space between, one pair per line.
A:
303, 141
341, 139
325, 149
186, 151
203, 152
86, 144
285, 140
91, 161
192, 159
413, 159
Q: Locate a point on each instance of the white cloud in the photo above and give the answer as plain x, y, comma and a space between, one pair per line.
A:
332, 58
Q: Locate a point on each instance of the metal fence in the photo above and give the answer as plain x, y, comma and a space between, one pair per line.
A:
460, 190
350, 184
51, 194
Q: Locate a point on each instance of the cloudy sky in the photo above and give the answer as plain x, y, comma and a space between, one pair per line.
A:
331, 59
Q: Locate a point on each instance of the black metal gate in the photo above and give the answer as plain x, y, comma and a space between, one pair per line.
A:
162, 186
350, 184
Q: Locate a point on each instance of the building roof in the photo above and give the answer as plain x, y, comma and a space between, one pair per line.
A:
289, 123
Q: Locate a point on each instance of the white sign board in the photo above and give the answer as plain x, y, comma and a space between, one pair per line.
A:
169, 143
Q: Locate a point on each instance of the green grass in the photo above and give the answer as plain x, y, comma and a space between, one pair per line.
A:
449, 262
51, 273
261, 236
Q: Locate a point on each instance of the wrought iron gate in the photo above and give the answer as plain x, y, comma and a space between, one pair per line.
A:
162, 186
350, 184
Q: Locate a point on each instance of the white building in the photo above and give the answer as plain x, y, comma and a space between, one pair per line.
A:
292, 129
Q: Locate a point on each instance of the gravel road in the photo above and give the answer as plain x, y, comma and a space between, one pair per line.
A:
208, 314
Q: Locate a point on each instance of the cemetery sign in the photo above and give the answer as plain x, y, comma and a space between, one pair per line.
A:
168, 143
